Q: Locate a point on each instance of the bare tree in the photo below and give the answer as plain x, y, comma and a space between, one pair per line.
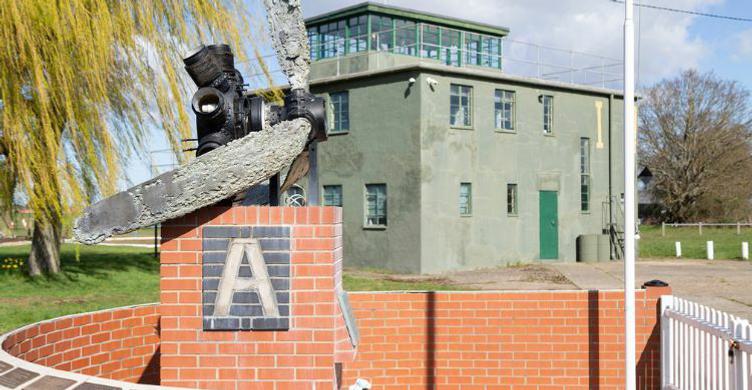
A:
695, 132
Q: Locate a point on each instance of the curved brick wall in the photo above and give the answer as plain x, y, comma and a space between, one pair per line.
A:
120, 344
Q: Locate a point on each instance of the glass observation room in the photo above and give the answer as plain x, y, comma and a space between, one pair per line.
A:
373, 27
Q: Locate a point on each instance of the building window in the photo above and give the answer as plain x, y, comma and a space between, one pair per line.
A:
584, 174
466, 198
504, 109
314, 44
332, 39
340, 102
491, 52
333, 195
375, 204
382, 38
405, 34
473, 53
548, 114
357, 34
512, 199
430, 45
451, 47
460, 105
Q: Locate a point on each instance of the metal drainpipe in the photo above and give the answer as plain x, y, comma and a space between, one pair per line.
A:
610, 162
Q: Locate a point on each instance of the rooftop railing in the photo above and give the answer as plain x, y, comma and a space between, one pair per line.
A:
464, 49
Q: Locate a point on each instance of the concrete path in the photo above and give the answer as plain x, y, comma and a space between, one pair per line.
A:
722, 284
586, 276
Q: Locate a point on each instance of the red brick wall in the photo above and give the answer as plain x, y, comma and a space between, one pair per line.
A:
502, 340
120, 344
302, 357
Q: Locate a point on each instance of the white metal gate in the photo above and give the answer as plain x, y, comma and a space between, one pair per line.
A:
703, 348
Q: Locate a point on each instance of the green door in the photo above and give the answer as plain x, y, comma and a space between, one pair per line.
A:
549, 223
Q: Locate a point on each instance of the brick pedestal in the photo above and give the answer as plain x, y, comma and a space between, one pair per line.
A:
300, 344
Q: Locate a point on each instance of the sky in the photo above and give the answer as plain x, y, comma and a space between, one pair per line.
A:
668, 42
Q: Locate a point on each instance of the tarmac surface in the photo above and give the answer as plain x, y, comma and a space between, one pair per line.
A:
722, 284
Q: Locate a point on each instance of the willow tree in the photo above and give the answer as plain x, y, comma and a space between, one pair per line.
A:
81, 83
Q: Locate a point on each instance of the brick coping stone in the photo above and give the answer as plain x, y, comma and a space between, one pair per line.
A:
17, 373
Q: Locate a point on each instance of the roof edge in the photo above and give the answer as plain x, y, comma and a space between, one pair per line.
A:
370, 6
474, 72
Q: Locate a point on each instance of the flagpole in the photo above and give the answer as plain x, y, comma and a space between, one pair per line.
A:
630, 147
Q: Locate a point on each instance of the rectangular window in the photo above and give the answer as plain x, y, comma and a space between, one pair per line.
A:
451, 49
585, 174
512, 199
548, 114
357, 34
460, 105
405, 33
382, 38
333, 195
332, 39
375, 204
473, 54
431, 44
340, 102
313, 43
491, 52
504, 109
466, 198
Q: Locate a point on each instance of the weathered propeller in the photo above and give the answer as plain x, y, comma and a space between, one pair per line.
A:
222, 172
289, 40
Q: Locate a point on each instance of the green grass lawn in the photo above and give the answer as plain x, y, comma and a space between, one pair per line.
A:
112, 276
102, 277
727, 244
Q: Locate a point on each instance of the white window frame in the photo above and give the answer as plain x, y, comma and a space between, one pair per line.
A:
585, 181
548, 114
466, 209
501, 98
462, 91
367, 217
513, 201
323, 192
337, 109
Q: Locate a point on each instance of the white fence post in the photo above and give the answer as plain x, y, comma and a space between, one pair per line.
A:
745, 250
667, 342
711, 254
678, 248
739, 369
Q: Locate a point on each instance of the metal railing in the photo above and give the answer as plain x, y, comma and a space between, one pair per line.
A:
413, 40
567, 66
703, 348
511, 56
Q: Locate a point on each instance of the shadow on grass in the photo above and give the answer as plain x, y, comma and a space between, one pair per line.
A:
93, 261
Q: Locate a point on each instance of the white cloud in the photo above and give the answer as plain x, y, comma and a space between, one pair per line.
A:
593, 26
743, 45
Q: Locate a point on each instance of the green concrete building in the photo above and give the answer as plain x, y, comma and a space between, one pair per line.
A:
441, 160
